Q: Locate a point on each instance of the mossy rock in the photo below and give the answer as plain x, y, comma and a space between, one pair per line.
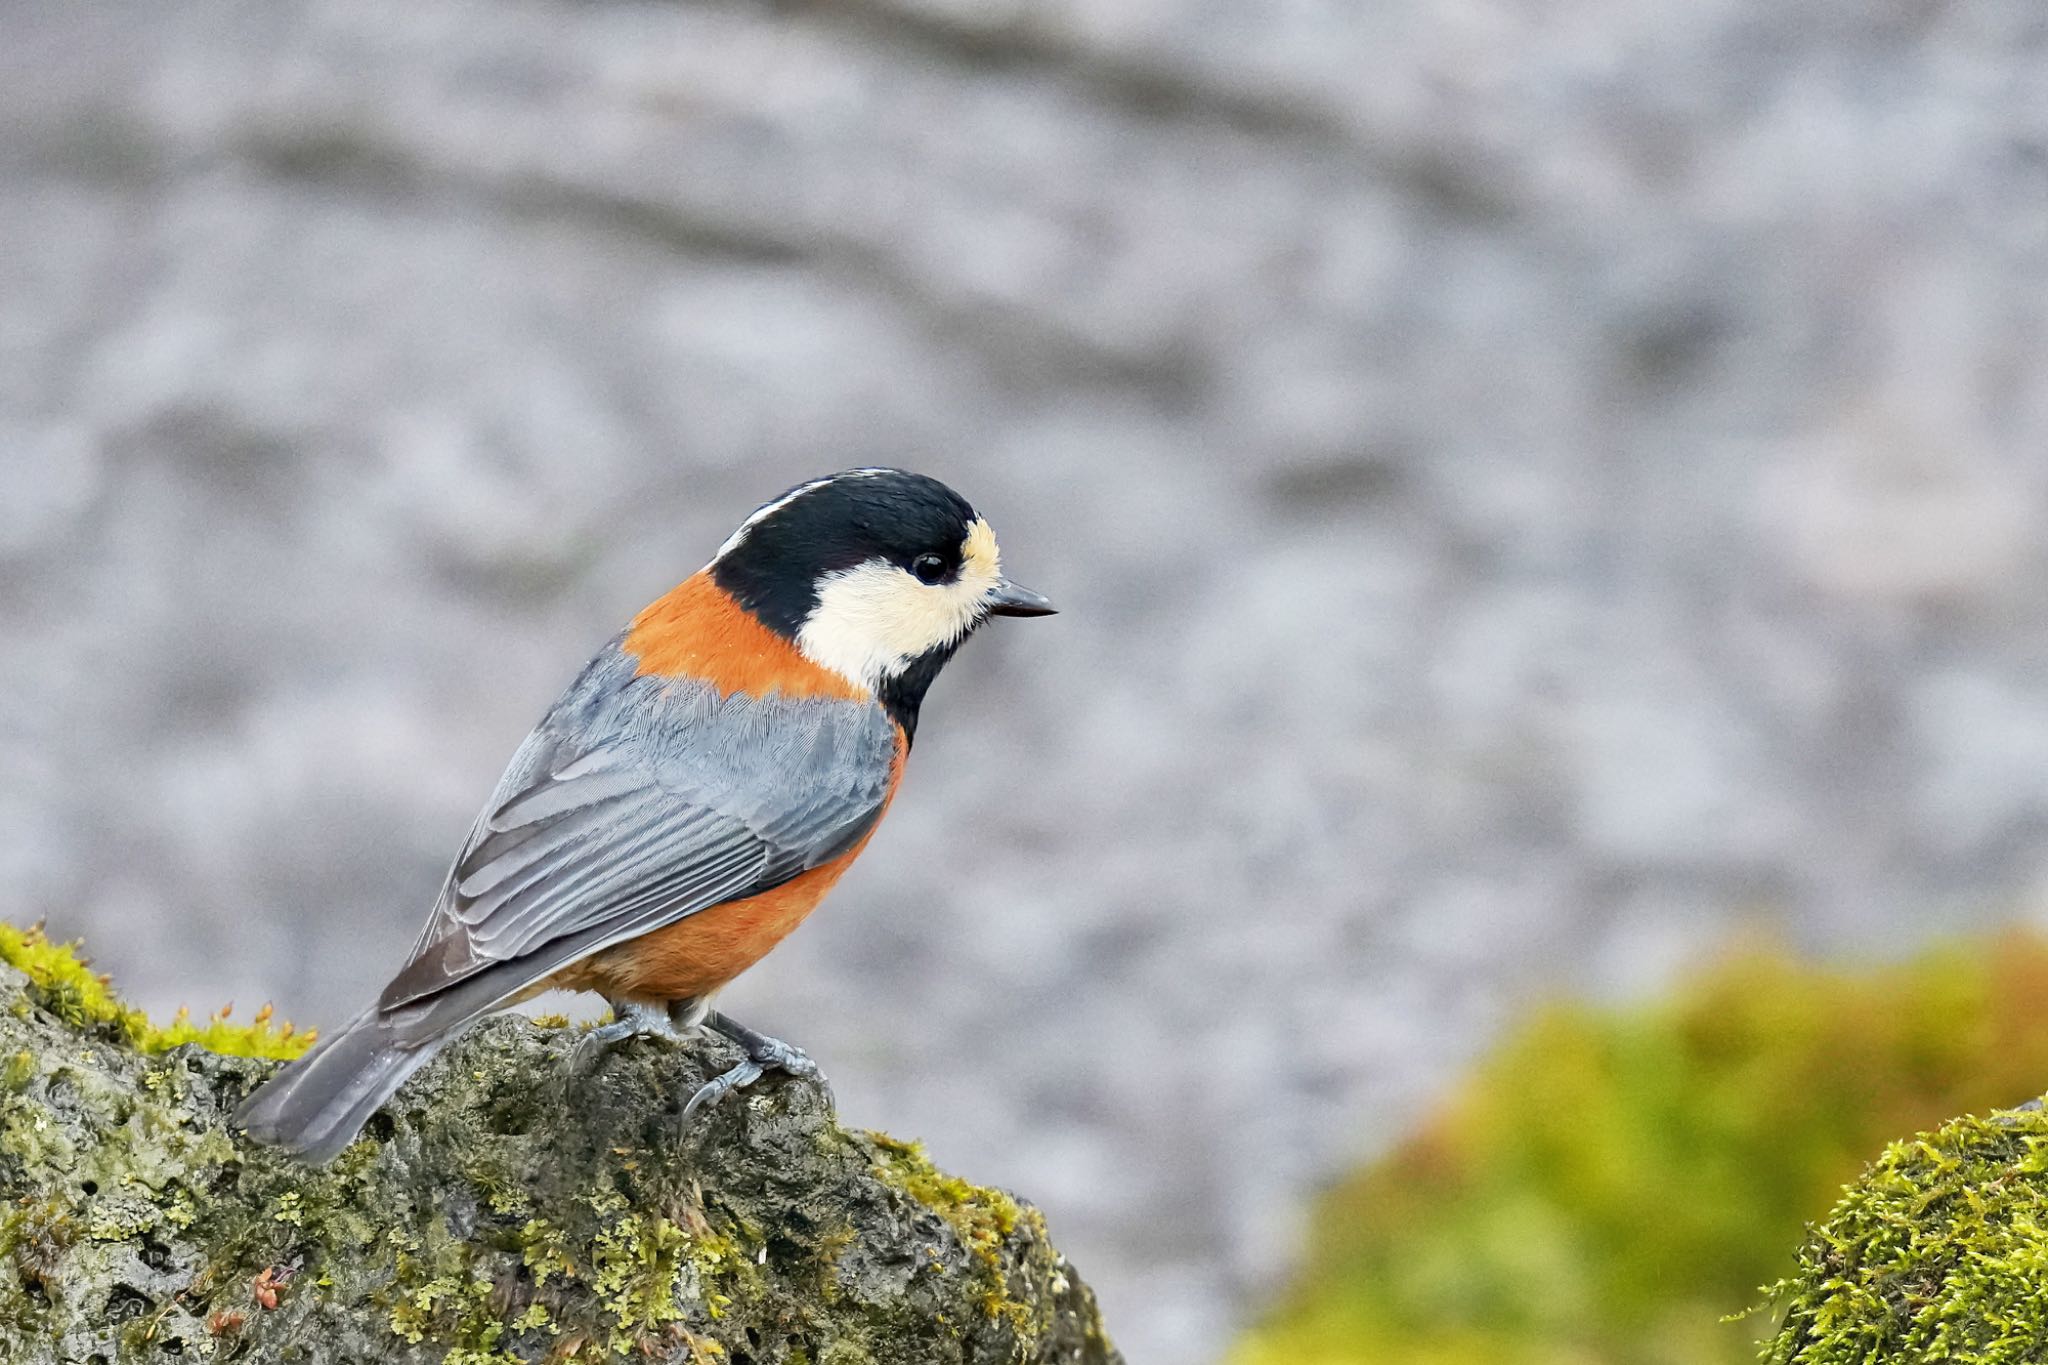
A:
1612, 1184
503, 1208
1938, 1253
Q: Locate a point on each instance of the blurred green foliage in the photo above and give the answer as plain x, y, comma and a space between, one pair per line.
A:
1612, 1183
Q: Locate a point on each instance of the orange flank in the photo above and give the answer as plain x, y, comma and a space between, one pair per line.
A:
697, 631
701, 952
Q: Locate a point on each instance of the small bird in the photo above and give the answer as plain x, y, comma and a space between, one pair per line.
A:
690, 799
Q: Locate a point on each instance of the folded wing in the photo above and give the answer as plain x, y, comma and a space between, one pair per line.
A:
638, 801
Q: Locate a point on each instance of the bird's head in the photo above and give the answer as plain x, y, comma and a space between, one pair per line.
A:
876, 574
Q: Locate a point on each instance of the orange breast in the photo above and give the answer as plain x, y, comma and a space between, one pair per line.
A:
698, 631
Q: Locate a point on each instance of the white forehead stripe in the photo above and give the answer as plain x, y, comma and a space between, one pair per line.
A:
769, 509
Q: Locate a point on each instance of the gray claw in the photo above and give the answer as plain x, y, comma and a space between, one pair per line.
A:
794, 1062
718, 1087
631, 1021
763, 1053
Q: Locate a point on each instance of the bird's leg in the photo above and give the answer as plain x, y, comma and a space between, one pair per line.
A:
688, 1012
762, 1052
630, 1019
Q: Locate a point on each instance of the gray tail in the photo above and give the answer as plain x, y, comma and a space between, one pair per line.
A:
316, 1105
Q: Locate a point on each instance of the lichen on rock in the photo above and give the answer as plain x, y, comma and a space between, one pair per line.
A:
1938, 1252
504, 1208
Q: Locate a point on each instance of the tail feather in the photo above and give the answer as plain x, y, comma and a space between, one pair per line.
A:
316, 1105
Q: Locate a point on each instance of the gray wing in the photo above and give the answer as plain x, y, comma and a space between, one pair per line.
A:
638, 801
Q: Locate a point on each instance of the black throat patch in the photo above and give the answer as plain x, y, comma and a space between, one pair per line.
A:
903, 694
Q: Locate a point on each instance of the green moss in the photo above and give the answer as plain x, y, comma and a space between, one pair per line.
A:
637, 1267
450, 1310
62, 982
641, 1278
441, 1291
543, 1252
1939, 1252
983, 1219
1612, 1183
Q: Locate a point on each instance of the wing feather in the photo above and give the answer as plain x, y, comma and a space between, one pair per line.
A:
498, 857
636, 802
588, 887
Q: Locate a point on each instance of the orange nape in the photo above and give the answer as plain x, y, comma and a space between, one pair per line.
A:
697, 630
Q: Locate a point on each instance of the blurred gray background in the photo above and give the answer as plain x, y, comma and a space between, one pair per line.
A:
1533, 489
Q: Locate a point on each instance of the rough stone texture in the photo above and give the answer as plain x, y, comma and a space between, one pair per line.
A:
498, 1214
1531, 487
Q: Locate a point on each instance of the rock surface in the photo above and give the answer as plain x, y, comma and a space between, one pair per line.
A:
502, 1210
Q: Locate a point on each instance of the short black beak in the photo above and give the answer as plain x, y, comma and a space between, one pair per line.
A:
1010, 600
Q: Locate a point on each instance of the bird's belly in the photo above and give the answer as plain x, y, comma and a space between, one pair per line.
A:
701, 952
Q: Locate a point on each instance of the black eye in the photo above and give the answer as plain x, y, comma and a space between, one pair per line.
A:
928, 568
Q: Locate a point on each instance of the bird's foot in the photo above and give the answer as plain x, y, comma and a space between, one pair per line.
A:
629, 1020
763, 1053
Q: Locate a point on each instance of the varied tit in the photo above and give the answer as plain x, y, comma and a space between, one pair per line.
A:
692, 796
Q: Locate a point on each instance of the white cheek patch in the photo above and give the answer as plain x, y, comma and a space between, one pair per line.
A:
872, 620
